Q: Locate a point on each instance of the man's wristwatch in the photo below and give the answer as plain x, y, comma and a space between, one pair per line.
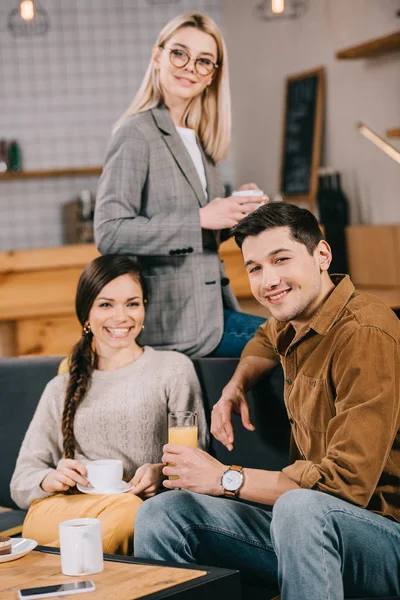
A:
232, 481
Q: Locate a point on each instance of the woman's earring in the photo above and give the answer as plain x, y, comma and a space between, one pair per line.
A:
86, 328
142, 326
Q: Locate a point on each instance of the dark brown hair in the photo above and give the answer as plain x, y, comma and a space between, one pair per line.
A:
304, 227
97, 274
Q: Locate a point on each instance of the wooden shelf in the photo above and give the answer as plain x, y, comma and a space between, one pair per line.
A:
393, 133
43, 174
376, 47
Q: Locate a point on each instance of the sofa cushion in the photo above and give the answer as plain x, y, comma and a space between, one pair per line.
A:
268, 446
22, 381
11, 522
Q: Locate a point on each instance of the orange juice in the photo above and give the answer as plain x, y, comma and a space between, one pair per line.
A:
186, 436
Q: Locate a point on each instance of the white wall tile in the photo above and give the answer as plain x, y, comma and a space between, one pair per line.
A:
60, 95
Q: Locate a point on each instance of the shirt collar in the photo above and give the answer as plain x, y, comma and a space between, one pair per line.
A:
328, 313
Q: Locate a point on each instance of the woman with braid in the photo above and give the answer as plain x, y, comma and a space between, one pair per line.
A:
113, 403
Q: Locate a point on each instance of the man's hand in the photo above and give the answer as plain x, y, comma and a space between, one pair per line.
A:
68, 473
233, 399
197, 471
147, 480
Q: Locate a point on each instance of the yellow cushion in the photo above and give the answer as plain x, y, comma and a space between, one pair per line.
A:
64, 366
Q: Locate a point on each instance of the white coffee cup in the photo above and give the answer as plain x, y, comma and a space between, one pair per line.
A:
250, 193
81, 547
256, 194
105, 474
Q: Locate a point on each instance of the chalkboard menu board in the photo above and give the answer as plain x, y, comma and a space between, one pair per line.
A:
302, 132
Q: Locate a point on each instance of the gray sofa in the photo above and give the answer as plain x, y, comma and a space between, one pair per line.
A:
22, 381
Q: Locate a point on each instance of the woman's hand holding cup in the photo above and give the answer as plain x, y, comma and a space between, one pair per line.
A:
68, 473
224, 213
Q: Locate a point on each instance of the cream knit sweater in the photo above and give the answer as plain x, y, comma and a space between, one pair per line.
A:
123, 416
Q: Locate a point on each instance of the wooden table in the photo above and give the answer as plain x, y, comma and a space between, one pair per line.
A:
123, 578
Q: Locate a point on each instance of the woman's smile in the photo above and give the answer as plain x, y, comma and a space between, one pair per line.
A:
118, 332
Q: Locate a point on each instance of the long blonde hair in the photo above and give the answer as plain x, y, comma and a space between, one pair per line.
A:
209, 114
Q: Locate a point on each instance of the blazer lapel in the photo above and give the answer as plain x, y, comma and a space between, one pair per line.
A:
179, 152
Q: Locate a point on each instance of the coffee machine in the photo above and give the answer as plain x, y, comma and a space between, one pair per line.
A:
77, 217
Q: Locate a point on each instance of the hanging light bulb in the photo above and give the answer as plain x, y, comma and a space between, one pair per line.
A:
29, 18
27, 10
277, 6
270, 10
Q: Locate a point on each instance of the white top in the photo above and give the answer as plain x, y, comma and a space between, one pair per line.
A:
189, 139
123, 416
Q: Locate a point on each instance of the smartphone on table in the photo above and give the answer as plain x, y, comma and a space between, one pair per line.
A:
61, 589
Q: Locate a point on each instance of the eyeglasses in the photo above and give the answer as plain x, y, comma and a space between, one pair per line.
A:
180, 58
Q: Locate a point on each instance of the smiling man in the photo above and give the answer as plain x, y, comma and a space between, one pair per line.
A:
334, 530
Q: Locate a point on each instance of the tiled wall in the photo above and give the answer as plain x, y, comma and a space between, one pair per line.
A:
61, 93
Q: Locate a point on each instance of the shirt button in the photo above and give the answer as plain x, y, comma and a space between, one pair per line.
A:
289, 382
190, 249
224, 281
172, 252
291, 421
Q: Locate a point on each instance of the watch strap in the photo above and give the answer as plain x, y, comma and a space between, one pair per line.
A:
236, 468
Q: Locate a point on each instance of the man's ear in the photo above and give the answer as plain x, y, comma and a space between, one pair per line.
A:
324, 255
155, 55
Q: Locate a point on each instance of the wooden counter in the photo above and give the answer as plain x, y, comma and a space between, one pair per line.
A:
37, 287
374, 260
37, 296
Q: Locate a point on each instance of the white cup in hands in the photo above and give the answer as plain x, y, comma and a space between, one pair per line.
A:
81, 546
259, 197
105, 475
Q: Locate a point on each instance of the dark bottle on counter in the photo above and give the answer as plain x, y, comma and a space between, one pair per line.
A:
14, 157
3, 156
86, 204
341, 201
334, 215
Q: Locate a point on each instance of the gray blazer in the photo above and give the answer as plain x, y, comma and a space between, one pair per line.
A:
148, 203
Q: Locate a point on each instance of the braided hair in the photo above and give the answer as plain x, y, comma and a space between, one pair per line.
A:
83, 360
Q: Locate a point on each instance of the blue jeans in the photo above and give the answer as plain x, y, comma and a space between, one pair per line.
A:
239, 328
315, 546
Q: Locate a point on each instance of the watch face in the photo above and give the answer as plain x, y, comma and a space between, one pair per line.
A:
232, 480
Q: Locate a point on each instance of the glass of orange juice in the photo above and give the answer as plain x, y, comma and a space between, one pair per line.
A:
182, 429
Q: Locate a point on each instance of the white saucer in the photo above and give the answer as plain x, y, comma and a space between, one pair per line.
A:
89, 489
19, 547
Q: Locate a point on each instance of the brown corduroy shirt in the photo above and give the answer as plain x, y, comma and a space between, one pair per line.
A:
342, 394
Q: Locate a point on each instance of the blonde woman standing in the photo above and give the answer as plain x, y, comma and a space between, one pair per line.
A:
160, 197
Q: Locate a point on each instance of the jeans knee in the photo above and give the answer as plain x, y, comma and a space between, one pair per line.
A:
297, 508
157, 514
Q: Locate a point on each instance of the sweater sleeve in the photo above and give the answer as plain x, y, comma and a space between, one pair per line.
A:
40, 450
185, 394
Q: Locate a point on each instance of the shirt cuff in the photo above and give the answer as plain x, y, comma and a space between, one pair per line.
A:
303, 472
